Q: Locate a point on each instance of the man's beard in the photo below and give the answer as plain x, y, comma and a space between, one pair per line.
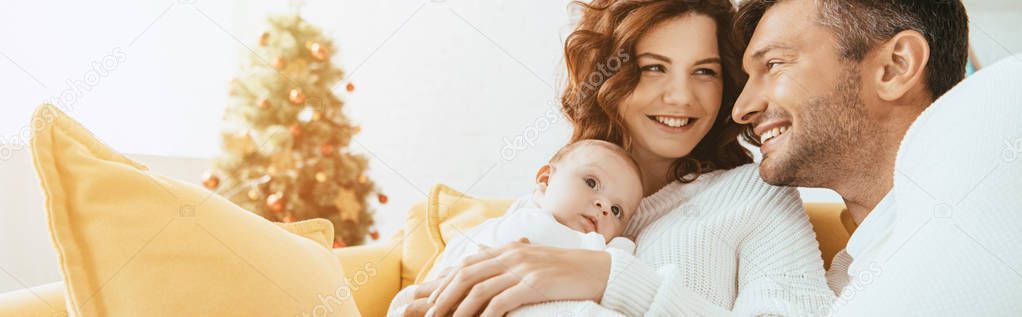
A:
834, 137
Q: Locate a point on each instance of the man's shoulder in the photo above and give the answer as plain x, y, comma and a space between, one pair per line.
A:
963, 136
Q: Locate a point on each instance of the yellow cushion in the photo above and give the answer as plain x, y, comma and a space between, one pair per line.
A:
132, 243
430, 225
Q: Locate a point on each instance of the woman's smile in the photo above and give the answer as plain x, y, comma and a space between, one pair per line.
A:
672, 124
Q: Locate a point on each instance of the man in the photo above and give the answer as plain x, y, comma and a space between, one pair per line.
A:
834, 93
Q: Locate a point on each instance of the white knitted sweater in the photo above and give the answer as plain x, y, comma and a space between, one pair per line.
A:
726, 244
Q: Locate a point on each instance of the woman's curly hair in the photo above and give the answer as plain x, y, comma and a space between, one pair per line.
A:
607, 34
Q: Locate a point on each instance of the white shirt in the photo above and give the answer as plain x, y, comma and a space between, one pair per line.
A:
872, 229
953, 247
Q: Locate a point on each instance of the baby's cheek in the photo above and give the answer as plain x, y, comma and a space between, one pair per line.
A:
617, 228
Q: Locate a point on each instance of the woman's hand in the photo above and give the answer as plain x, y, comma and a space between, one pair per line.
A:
498, 280
421, 304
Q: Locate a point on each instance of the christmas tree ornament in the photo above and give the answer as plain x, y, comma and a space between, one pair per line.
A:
254, 194
287, 219
321, 177
210, 180
296, 97
275, 202
264, 39
279, 63
382, 198
356, 129
362, 179
263, 104
374, 234
339, 243
295, 129
350, 87
318, 51
327, 149
305, 115
317, 115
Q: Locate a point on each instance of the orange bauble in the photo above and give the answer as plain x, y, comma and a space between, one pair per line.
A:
264, 39
350, 87
317, 50
275, 202
296, 97
210, 180
327, 149
382, 198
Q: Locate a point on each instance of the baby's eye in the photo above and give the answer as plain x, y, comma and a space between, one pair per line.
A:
616, 211
591, 182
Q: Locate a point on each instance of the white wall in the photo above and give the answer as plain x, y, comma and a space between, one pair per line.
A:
440, 85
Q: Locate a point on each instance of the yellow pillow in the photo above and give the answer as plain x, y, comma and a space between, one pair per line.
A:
132, 243
446, 213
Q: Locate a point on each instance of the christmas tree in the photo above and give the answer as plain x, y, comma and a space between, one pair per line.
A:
285, 136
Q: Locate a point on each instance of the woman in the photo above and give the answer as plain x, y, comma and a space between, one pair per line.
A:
712, 238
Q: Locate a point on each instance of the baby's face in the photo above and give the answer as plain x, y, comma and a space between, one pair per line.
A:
592, 189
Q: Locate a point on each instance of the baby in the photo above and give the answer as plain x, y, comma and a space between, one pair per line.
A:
584, 198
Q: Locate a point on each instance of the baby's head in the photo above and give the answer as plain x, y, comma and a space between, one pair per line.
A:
590, 186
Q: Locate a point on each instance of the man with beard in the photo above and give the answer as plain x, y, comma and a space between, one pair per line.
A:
841, 95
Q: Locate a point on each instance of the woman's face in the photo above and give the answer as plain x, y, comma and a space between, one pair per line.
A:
678, 95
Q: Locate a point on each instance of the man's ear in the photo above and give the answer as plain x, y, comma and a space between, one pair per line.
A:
902, 65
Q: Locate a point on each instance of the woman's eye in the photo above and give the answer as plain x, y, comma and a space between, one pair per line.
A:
591, 183
706, 71
653, 68
616, 211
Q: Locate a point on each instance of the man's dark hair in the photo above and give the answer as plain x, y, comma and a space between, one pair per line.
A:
859, 25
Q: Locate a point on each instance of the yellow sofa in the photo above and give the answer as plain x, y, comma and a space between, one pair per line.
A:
377, 272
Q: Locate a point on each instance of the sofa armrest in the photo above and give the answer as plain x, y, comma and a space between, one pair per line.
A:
44, 301
374, 273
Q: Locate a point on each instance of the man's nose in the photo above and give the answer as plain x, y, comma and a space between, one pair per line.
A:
750, 104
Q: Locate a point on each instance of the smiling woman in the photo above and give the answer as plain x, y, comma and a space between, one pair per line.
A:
664, 45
